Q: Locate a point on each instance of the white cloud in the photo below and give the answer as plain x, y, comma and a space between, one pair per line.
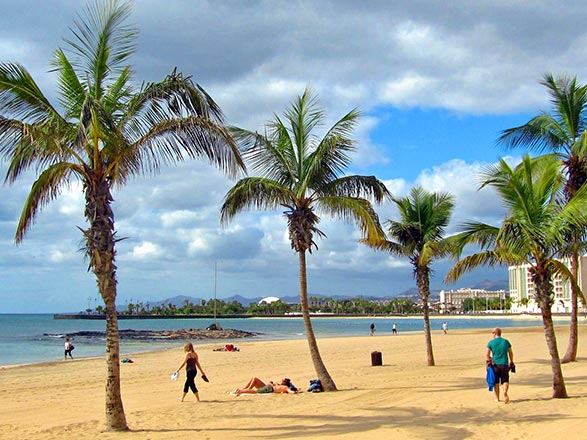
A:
178, 218
146, 251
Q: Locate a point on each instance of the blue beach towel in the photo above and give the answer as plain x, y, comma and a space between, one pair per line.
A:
490, 377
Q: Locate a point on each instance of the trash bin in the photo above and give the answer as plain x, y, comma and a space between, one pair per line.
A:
376, 358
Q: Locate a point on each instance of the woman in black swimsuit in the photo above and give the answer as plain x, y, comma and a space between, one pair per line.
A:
192, 364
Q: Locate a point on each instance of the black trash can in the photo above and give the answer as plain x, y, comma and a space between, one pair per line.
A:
376, 358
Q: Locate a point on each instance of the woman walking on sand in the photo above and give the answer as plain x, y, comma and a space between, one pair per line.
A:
192, 364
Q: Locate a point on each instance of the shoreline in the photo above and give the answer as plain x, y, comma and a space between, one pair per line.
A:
73, 316
49, 348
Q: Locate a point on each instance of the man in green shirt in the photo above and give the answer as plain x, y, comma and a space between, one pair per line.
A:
500, 356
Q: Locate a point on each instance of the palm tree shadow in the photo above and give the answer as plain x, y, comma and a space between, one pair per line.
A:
442, 424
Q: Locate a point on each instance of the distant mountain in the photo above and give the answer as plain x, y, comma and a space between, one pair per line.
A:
492, 285
411, 293
414, 295
177, 301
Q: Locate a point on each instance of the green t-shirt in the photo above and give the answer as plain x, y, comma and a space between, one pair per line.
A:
499, 348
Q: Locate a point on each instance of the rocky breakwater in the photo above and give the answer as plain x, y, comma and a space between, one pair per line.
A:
191, 333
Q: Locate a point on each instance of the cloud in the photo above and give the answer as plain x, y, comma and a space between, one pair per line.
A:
146, 250
434, 62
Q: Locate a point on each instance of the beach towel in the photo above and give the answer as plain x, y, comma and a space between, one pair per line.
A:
490, 377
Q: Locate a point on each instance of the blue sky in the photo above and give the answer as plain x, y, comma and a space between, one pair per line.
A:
436, 82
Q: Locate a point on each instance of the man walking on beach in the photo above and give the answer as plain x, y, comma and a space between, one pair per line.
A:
498, 351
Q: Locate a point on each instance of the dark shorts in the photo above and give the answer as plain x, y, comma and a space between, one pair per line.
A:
502, 373
265, 390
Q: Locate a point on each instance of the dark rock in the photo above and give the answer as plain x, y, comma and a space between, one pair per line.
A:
169, 334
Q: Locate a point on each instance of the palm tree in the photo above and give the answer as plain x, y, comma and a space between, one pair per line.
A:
419, 237
301, 172
108, 132
533, 232
563, 133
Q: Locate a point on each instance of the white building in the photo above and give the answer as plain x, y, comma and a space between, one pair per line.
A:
452, 300
522, 289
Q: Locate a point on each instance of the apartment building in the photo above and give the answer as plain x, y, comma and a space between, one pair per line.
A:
522, 289
452, 300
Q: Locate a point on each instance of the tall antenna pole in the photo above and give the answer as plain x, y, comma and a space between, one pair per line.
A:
215, 278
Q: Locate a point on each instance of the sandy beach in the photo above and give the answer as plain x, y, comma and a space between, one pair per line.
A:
402, 399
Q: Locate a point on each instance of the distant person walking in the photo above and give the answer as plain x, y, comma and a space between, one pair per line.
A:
445, 327
372, 329
68, 348
394, 329
500, 356
192, 364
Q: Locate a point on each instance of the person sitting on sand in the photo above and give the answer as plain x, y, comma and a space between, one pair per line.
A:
257, 386
227, 347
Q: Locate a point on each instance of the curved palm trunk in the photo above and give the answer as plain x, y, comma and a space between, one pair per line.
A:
571, 354
423, 282
543, 290
319, 366
577, 177
100, 246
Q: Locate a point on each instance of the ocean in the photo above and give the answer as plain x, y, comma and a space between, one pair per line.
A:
33, 338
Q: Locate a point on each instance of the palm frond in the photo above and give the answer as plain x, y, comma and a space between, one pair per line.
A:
331, 156
569, 101
385, 245
71, 92
20, 97
469, 263
45, 189
102, 42
173, 141
253, 192
267, 156
354, 210
567, 276
304, 116
368, 187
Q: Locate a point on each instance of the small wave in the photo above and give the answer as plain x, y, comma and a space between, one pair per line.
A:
54, 335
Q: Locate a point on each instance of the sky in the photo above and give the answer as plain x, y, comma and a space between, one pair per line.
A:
436, 83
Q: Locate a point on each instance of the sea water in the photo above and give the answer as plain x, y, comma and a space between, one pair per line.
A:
32, 338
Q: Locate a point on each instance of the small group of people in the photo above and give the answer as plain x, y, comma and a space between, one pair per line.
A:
372, 329
257, 386
499, 356
191, 362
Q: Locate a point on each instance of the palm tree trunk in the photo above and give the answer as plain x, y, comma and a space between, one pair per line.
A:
543, 289
319, 366
100, 239
423, 282
571, 354
115, 417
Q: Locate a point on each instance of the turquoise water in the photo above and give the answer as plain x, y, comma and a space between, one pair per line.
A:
31, 338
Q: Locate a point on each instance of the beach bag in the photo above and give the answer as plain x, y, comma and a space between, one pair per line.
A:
315, 386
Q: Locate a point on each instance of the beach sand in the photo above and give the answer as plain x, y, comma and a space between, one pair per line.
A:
402, 399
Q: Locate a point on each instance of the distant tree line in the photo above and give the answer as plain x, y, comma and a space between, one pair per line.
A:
353, 306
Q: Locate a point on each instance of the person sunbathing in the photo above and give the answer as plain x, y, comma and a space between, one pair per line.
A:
257, 386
